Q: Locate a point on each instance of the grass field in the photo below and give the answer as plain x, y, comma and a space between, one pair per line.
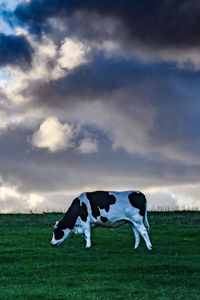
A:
32, 269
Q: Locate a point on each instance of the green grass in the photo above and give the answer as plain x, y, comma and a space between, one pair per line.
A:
32, 269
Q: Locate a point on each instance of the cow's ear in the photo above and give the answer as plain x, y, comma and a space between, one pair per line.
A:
54, 226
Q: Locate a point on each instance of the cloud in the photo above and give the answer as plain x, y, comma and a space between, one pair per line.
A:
162, 199
162, 30
15, 51
173, 197
88, 145
53, 135
87, 82
72, 54
11, 199
159, 24
121, 97
42, 68
55, 174
34, 200
49, 63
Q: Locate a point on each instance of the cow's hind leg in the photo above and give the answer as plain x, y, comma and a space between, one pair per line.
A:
137, 237
139, 226
143, 231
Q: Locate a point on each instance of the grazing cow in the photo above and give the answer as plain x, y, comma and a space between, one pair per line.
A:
105, 209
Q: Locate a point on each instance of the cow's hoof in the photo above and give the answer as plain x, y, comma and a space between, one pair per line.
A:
92, 245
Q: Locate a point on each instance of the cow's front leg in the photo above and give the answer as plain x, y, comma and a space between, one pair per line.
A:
88, 236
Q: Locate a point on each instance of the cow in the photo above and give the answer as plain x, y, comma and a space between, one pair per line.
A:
104, 209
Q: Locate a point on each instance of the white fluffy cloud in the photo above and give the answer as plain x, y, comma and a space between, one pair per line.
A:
72, 53
53, 135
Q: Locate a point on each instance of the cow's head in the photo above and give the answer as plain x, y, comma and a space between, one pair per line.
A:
60, 233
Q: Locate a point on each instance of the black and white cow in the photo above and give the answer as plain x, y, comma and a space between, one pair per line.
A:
106, 209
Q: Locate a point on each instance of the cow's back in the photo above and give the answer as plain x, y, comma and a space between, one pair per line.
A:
114, 205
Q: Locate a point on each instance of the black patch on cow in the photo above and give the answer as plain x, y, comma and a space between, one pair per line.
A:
104, 219
138, 200
75, 210
83, 213
58, 233
100, 200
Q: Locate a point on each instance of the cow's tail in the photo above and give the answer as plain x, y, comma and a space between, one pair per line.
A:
146, 223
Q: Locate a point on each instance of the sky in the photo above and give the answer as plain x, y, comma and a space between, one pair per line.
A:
99, 95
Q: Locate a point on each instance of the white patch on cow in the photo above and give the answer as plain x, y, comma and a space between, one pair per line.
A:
78, 229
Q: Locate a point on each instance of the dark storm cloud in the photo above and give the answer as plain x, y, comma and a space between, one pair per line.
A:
158, 23
15, 50
160, 84
91, 81
99, 79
